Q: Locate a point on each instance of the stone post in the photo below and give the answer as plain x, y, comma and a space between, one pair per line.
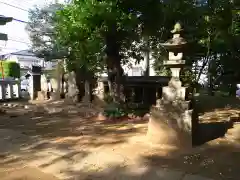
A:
100, 90
171, 119
1, 92
17, 89
11, 94
42, 95
56, 94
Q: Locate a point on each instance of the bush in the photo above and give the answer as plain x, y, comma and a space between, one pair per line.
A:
10, 68
114, 110
108, 98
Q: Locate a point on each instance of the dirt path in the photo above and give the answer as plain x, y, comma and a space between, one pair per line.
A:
26, 173
64, 142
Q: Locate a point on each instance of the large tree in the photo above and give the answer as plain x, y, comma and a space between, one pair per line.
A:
97, 32
107, 33
121, 29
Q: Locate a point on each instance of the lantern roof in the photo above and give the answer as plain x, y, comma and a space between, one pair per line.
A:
177, 41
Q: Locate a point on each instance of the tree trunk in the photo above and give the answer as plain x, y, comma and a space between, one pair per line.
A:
88, 86
87, 91
114, 68
62, 94
115, 79
80, 82
232, 90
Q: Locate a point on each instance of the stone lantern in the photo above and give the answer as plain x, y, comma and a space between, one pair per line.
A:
171, 119
174, 90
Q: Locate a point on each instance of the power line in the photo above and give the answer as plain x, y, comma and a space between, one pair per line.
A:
19, 20
14, 6
23, 2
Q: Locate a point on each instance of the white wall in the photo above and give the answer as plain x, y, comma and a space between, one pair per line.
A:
25, 61
28, 61
130, 67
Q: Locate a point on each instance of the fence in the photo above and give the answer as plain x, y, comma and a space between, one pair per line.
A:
9, 89
138, 89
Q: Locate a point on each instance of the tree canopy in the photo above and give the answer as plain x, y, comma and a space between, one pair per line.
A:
41, 25
103, 35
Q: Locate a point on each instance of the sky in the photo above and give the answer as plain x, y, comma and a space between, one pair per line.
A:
17, 36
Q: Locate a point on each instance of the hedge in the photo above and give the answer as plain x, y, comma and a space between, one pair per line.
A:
10, 69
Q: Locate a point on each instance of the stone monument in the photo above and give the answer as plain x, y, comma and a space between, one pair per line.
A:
171, 119
56, 81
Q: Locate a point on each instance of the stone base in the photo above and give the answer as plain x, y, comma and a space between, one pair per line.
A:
55, 96
41, 95
99, 101
163, 128
172, 94
86, 99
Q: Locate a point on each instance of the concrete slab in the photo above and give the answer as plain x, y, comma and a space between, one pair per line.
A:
195, 177
162, 174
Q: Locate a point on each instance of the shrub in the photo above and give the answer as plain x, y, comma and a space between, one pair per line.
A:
10, 68
108, 98
114, 110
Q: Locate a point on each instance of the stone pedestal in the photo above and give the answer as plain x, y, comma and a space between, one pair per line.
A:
171, 123
41, 95
55, 96
100, 90
171, 119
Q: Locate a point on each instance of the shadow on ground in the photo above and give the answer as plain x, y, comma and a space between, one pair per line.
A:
207, 103
217, 115
212, 130
65, 136
71, 145
218, 160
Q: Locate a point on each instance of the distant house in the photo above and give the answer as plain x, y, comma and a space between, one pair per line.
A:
27, 59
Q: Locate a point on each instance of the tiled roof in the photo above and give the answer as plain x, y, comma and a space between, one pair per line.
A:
24, 53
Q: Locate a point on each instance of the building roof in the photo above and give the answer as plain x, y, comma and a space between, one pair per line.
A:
26, 52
